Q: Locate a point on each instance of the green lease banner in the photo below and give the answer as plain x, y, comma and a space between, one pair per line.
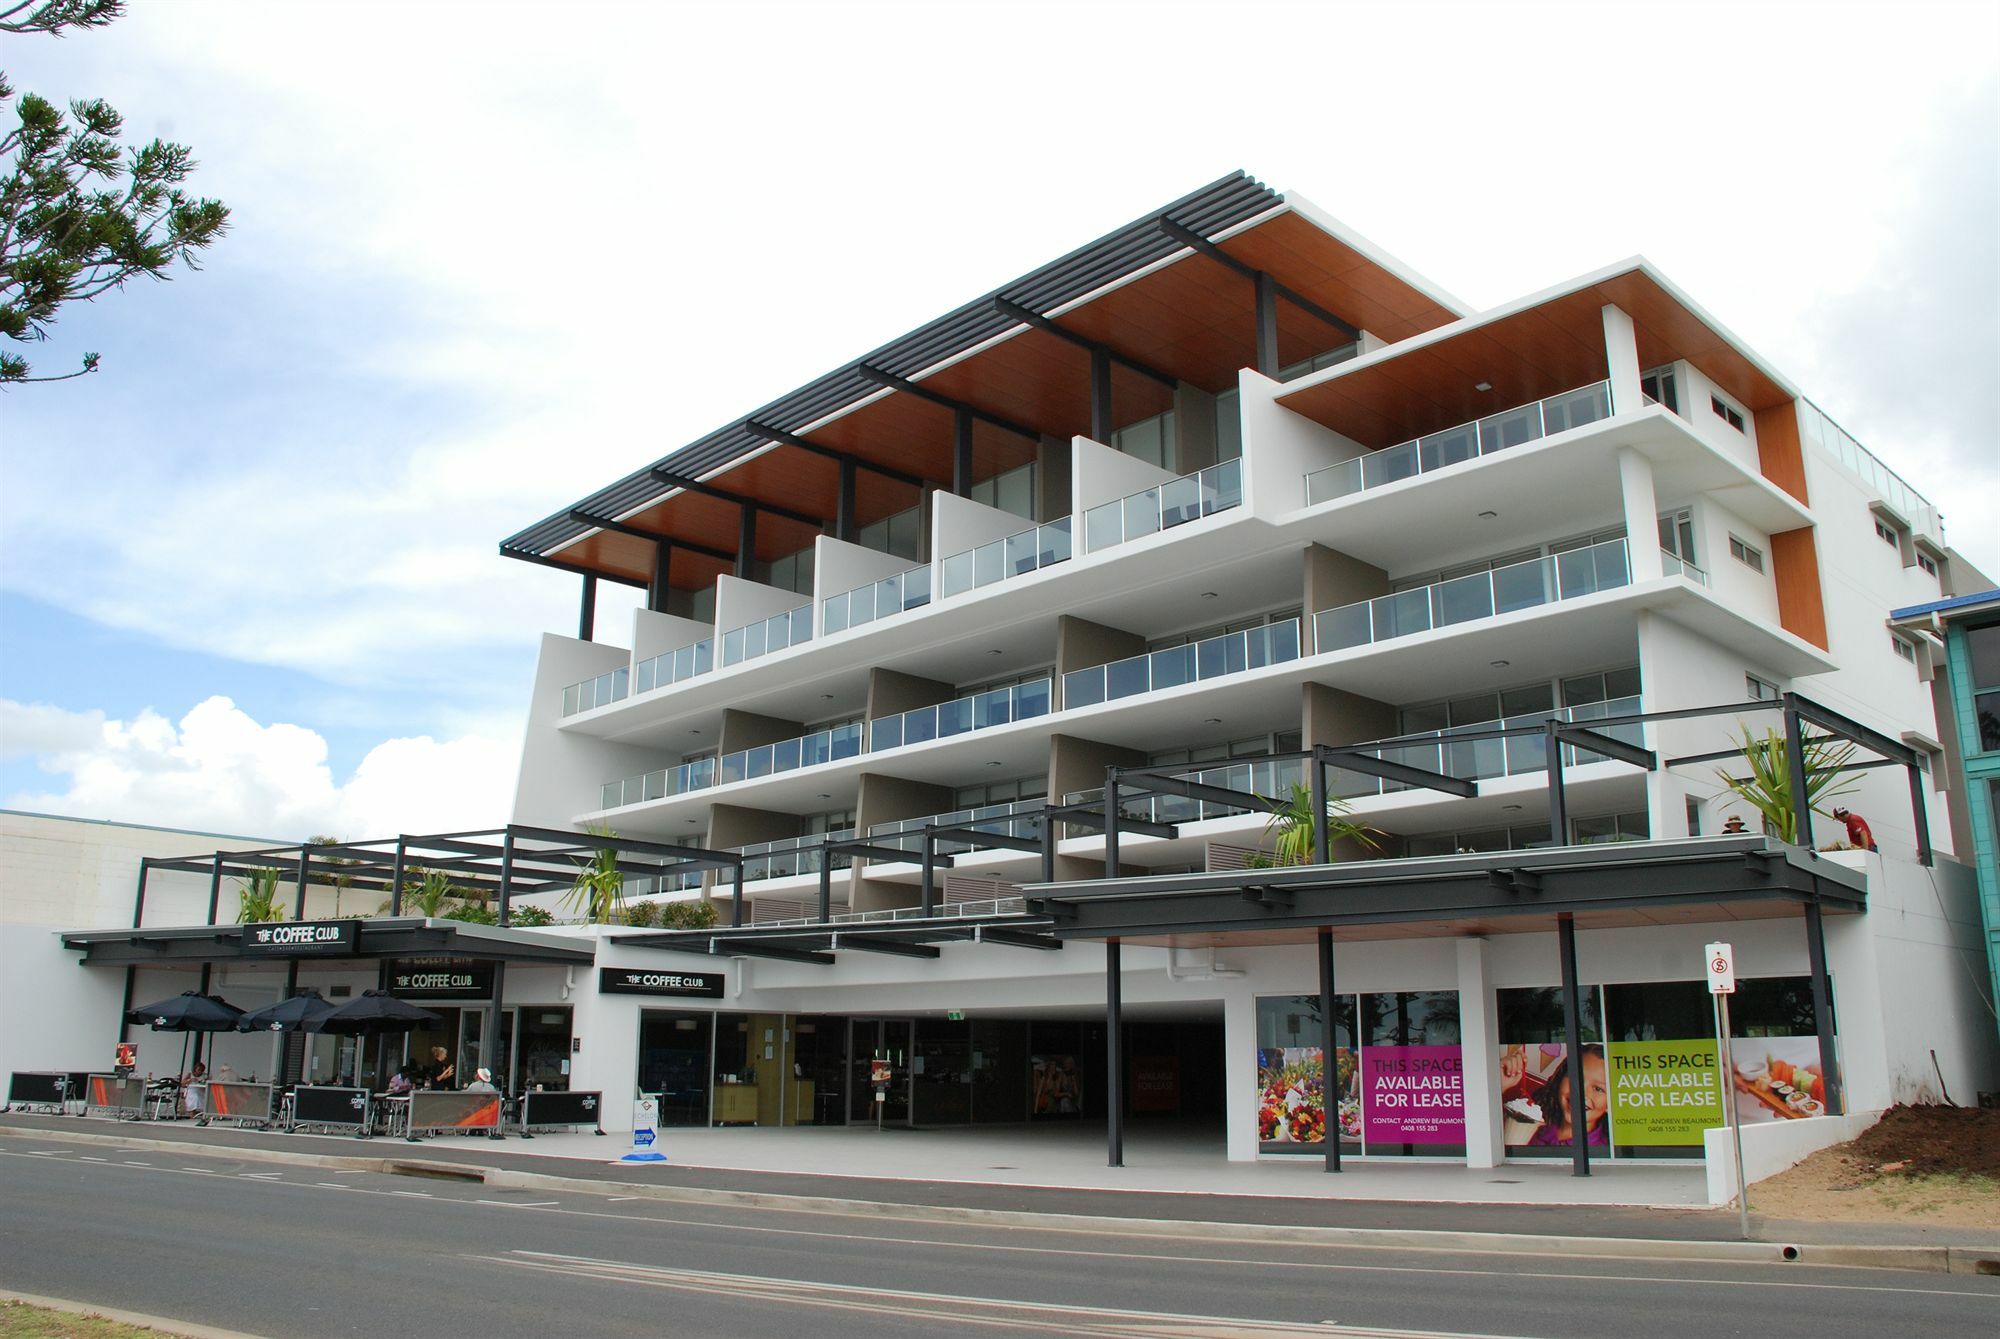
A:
1664, 1092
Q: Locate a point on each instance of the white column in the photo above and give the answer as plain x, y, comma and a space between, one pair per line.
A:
1642, 514
1479, 1041
1239, 1070
1621, 353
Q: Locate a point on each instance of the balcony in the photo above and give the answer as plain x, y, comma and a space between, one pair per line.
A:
878, 599
1176, 502
1022, 818
768, 635
789, 857
981, 711
671, 667
1480, 759
1676, 566
593, 693
1467, 441
1018, 554
843, 741
1215, 658
1503, 590
1270, 779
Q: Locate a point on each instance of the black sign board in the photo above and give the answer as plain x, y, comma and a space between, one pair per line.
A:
441, 979
37, 1089
563, 1109
647, 981
329, 1106
294, 939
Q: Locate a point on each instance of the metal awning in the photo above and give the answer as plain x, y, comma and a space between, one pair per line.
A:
912, 937
384, 937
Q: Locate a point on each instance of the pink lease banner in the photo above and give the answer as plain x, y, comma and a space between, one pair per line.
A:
1413, 1094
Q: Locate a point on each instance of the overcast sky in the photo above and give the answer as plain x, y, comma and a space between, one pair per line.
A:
485, 258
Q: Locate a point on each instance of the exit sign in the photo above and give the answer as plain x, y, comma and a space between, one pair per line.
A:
954, 1015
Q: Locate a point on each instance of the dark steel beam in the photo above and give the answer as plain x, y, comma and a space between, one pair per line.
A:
653, 536
753, 948
1161, 784
894, 947
1114, 1053
896, 383
783, 438
1092, 816
1591, 741
1358, 760
1558, 796
586, 610
1329, 1039
989, 934
1188, 237
1014, 311
689, 484
574, 569
1004, 841
1822, 995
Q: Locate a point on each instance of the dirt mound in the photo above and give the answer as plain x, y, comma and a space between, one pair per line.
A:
1930, 1141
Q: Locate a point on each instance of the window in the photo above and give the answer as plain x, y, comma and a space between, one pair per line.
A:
1677, 534
1338, 354
1658, 386
1013, 491
1749, 555
1727, 413
1903, 648
1925, 561
1982, 647
1152, 440
1759, 690
900, 534
793, 572
1887, 534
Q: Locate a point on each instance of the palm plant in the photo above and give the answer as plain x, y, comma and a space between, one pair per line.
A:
598, 895
257, 897
431, 893
342, 881
1291, 825
1768, 787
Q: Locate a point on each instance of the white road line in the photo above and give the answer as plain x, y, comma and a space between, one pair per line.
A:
85, 1157
41, 1153
259, 1176
620, 1199
130, 1163
520, 1204
356, 1172
331, 1185
412, 1194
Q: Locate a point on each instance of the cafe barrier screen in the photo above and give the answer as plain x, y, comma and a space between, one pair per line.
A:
37, 1090
330, 1106
108, 1092
241, 1102
446, 1110
542, 1109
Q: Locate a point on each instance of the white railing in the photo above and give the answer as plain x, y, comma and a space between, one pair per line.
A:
1176, 502
1501, 590
767, 635
1018, 554
1215, 658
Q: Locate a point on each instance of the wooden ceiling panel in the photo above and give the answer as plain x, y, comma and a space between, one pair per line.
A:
1337, 277
905, 432
996, 450
1035, 379
617, 555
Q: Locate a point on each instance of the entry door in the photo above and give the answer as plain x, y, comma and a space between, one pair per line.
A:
887, 1040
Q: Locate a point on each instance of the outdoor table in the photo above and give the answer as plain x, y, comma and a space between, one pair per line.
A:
395, 1109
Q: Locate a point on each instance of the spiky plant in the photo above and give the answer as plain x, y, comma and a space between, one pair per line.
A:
598, 895
257, 897
1768, 786
1291, 825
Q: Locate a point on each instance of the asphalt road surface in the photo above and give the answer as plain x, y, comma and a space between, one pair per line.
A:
282, 1250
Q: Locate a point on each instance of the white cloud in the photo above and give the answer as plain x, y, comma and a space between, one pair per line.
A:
218, 770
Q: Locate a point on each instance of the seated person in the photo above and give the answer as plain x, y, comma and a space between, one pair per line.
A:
482, 1082
400, 1082
193, 1094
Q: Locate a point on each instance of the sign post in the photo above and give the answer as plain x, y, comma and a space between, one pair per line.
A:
645, 1117
1721, 972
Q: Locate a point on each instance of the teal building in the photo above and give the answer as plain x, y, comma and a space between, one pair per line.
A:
1968, 626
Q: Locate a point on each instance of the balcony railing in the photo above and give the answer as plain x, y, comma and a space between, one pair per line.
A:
1467, 441
1215, 658
981, 711
673, 666
1176, 502
1502, 590
1481, 759
599, 692
789, 755
1676, 566
1273, 780
789, 857
1017, 555
1022, 818
767, 635
877, 599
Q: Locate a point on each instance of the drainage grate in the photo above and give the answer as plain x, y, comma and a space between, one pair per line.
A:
437, 1171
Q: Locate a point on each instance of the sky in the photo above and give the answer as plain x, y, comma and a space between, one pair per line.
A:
487, 257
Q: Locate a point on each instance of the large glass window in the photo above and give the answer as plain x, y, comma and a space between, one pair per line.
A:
1399, 1091
1982, 647
674, 1050
1013, 491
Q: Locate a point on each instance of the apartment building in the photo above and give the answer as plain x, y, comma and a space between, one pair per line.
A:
1224, 504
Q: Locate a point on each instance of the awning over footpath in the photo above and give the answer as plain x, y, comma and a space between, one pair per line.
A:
351, 939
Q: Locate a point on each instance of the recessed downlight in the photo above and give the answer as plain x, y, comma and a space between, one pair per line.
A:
1482, 385
1499, 664
1488, 515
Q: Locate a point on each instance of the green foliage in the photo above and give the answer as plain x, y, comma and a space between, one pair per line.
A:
692, 915
429, 893
81, 215
640, 913
599, 890
1768, 787
1291, 827
257, 897
530, 917
473, 913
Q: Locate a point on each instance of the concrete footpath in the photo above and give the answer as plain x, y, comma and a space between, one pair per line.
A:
1583, 1229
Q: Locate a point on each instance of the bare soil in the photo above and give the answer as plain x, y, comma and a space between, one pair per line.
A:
1936, 1165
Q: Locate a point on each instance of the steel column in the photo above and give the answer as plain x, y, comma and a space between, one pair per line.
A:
961, 452
1101, 422
215, 890
1822, 993
1919, 817
1579, 1104
662, 583
825, 886
139, 898
1048, 849
489, 1036
1267, 324
305, 864
1795, 768
927, 902
843, 507
124, 1024
1558, 798
746, 542
586, 614
1321, 855
396, 881
1114, 1053
1329, 1038
736, 893
506, 885
1111, 822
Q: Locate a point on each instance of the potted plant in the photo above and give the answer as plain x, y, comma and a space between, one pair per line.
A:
598, 894
1291, 827
1768, 787
257, 898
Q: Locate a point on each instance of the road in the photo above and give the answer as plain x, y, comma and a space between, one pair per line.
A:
282, 1250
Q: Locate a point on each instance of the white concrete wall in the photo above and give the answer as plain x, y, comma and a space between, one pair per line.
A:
739, 603
959, 523
59, 1016
1695, 390
1773, 1147
1281, 447
839, 567
654, 633
1099, 474
561, 771
1753, 593
1682, 669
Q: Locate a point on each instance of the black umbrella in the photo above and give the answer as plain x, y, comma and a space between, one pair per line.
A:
189, 1011
300, 1013
376, 1013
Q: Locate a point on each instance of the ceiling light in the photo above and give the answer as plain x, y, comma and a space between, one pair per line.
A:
826, 697
1511, 808
1488, 515
1500, 664
1208, 595
1482, 385
995, 762
994, 652
1213, 720
826, 795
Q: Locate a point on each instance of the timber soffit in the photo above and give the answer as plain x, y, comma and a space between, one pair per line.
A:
1215, 208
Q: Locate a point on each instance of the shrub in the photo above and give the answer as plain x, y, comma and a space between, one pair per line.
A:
641, 913
472, 913
532, 916
694, 915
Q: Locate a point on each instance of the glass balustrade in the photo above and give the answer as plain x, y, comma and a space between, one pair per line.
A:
1016, 555
1466, 441
980, 711
1022, 818
1502, 590
1232, 653
767, 635
790, 857
1271, 779
1481, 759
671, 667
843, 741
599, 692
877, 599
1676, 566
1176, 502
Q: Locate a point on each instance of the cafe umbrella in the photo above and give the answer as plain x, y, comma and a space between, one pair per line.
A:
375, 1013
301, 1013
188, 1012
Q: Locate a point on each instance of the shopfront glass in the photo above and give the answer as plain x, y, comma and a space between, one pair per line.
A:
674, 1056
1399, 1092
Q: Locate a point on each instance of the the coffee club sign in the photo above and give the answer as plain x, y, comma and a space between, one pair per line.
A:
294, 938
640, 981
441, 979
